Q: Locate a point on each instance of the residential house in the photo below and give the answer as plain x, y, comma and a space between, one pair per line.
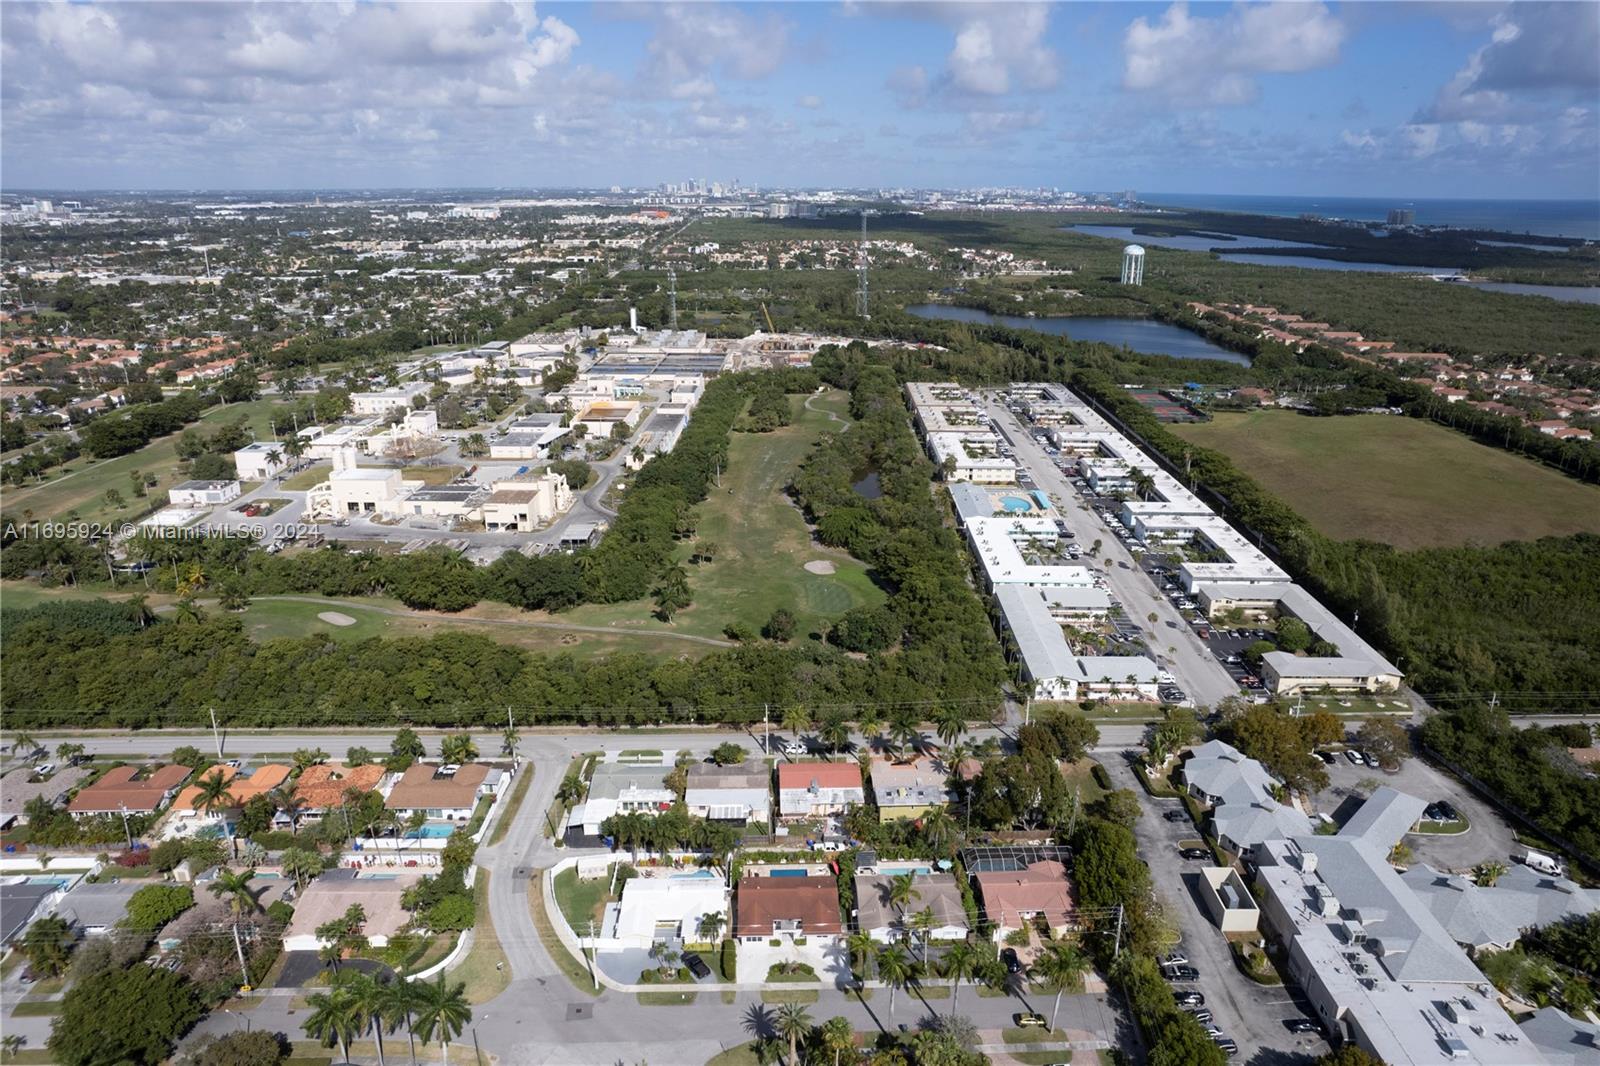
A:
21, 901
444, 792
243, 785
1038, 891
908, 789
619, 788
1239, 790
324, 787
738, 794
787, 908
886, 920
126, 790
95, 910
663, 909
818, 788
18, 788
332, 894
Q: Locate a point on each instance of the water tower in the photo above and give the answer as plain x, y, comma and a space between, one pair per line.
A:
1133, 265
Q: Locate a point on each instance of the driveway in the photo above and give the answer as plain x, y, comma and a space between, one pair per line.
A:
1252, 1014
300, 968
1488, 835
828, 958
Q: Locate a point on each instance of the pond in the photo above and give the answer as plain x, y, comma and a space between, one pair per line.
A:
868, 485
1140, 334
1312, 263
1577, 294
1186, 242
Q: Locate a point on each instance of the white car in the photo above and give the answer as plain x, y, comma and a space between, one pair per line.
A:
1355, 757
794, 748
45, 769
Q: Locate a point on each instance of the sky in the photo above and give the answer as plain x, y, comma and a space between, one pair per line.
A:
1417, 100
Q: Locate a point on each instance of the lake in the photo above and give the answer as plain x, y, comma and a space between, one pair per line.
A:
869, 485
1577, 294
1520, 244
1186, 243
1313, 263
1139, 334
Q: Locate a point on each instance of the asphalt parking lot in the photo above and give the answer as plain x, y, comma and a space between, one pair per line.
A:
1253, 1015
1488, 835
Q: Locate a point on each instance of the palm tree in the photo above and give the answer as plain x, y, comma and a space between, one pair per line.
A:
458, 748
442, 1011
368, 996
1061, 967
710, 925
835, 732
960, 963
902, 890
905, 731
870, 724
796, 719
923, 922
300, 864
48, 945
400, 1000
862, 949
11, 1043
838, 1036
950, 723
896, 970
793, 1022
23, 742
214, 795
509, 739
939, 830
235, 888
332, 1019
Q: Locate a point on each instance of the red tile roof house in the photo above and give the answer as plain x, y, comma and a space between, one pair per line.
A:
786, 908
120, 789
1013, 897
815, 788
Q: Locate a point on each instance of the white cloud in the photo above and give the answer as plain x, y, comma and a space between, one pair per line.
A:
1208, 62
811, 101
998, 47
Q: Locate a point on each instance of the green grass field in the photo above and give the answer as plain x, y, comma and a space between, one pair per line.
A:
83, 487
763, 544
1402, 481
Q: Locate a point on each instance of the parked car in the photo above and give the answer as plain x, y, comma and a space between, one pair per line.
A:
1229, 1048
1327, 757
1189, 998
1301, 1025
1181, 973
697, 965
45, 769
1009, 957
1355, 757
1194, 853
1031, 1020
1177, 958
1449, 811
1199, 1014
1176, 816
794, 748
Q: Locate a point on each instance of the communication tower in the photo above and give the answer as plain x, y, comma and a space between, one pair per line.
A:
861, 271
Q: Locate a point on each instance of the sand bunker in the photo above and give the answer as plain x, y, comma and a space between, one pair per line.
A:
334, 618
819, 566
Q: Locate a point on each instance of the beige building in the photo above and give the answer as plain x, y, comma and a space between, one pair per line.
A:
526, 504
599, 416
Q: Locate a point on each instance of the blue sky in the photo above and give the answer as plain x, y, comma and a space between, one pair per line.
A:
1414, 100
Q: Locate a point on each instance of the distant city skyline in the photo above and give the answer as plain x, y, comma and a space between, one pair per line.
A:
1403, 101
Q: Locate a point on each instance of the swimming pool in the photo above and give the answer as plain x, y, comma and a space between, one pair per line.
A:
1015, 504
698, 875
432, 831
787, 873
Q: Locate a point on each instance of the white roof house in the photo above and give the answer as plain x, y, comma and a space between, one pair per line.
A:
1496, 916
1244, 810
662, 908
741, 793
1562, 1039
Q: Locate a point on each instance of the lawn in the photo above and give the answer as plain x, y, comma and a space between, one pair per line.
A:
581, 901
575, 970
513, 803
1403, 481
485, 970
310, 477
1080, 776
83, 487
763, 545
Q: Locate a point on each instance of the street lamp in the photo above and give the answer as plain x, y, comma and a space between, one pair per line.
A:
241, 1015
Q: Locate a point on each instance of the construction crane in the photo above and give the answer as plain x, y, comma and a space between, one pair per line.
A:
768, 316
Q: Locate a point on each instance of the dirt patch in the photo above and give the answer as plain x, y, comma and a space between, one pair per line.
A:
819, 566
335, 618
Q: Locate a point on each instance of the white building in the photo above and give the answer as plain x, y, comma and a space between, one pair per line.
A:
527, 503
657, 909
259, 461
204, 493
382, 402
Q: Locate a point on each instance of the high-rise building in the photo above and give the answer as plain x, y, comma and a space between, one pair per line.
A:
1402, 216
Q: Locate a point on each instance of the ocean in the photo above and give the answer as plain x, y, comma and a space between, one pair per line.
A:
1544, 218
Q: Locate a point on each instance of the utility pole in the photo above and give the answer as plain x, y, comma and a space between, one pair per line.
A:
215, 735
766, 725
125, 828
1116, 948
589, 955
672, 299
475, 1049
244, 972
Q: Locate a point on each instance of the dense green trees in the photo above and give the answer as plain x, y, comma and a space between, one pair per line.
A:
132, 1015
1526, 770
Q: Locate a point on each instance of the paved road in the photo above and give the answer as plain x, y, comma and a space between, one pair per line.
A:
1250, 1013
1197, 670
